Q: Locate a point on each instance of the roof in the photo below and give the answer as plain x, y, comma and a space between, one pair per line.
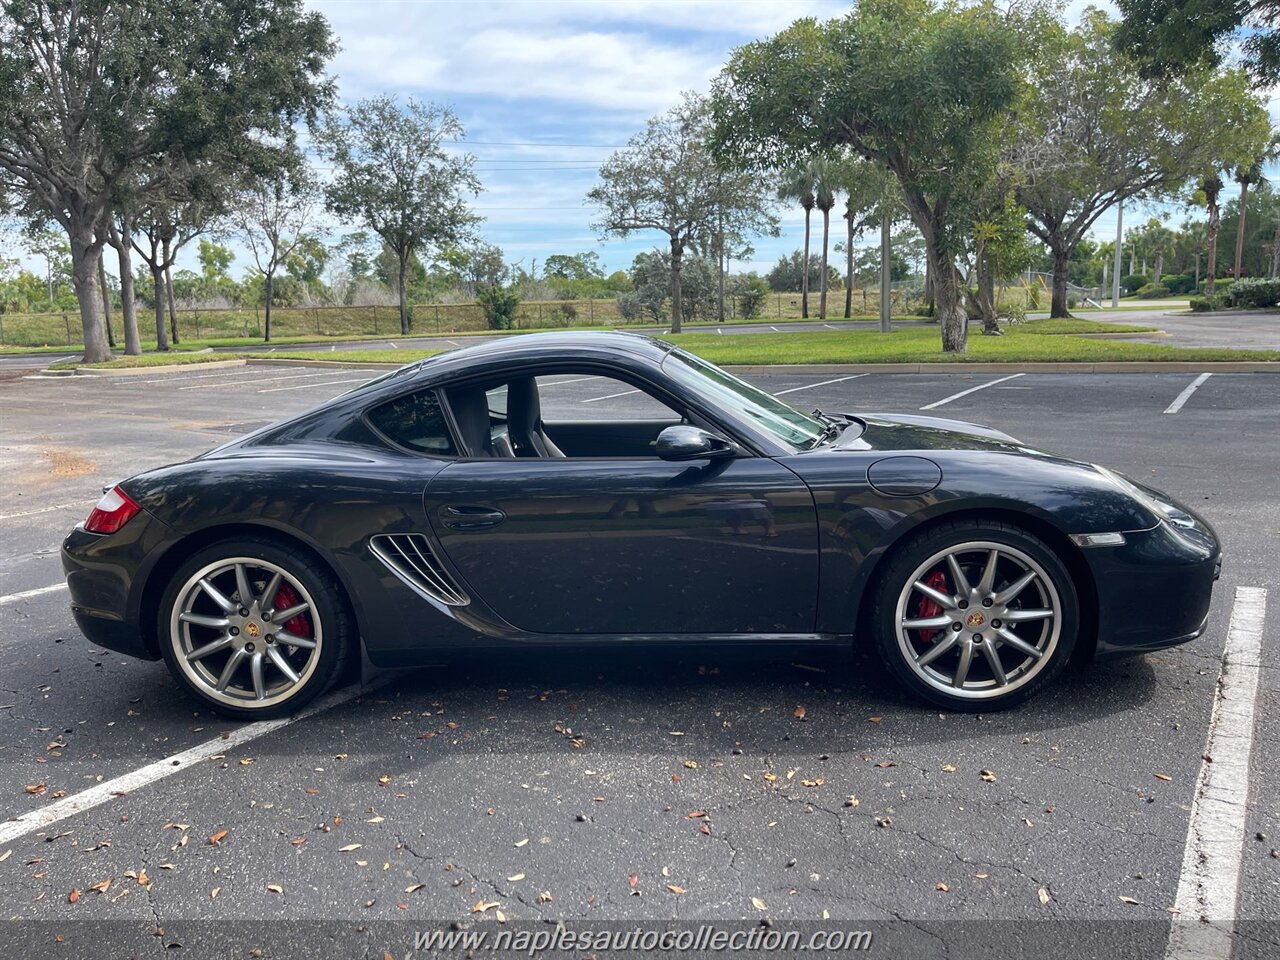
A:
566, 345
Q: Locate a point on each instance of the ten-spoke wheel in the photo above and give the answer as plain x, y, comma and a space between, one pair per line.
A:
975, 616
255, 631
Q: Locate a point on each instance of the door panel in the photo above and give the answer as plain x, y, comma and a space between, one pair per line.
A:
633, 546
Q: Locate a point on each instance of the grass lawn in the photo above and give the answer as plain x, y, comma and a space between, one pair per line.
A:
174, 358
1037, 340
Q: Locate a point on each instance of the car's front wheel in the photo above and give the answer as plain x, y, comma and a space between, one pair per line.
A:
253, 628
976, 615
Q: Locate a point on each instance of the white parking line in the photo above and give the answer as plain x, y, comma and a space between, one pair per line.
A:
258, 379
1206, 903
37, 592
610, 396
105, 792
561, 383
393, 345
308, 386
175, 377
1185, 395
34, 513
810, 386
965, 393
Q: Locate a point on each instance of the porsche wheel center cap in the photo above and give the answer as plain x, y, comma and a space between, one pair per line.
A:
253, 630
976, 619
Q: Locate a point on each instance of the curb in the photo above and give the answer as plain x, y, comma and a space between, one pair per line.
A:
131, 371
336, 364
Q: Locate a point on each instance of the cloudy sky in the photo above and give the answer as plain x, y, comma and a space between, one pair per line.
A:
547, 89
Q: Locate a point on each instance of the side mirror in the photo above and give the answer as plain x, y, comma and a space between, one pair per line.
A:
684, 442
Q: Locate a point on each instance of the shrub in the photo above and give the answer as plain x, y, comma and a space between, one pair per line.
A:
1033, 298
752, 292
1133, 282
567, 314
1220, 285
1178, 283
1255, 292
1207, 304
629, 306
499, 305
1072, 302
1152, 291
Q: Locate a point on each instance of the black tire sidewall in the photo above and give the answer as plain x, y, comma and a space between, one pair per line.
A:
918, 548
335, 621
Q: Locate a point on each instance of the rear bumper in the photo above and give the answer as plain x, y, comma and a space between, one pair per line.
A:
103, 583
1155, 590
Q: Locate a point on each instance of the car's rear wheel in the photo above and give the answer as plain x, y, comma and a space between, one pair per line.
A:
254, 629
976, 615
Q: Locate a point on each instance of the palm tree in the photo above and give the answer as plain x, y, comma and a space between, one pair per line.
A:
797, 184
1246, 174
1160, 237
824, 200
1211, 187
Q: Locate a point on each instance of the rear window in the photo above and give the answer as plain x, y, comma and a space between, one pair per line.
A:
415, 421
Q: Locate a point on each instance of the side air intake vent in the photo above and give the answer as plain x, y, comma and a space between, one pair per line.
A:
410, 557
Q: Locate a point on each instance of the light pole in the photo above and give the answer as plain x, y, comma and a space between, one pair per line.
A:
1115, 271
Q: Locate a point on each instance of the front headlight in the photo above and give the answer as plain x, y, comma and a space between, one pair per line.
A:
1168, 512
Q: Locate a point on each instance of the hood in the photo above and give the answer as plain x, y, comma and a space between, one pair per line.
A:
885, 431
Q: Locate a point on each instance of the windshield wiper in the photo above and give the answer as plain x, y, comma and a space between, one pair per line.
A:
832, 427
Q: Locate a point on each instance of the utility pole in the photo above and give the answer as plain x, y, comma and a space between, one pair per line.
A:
1115, 272
885, 273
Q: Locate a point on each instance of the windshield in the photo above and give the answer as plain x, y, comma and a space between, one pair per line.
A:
783, 421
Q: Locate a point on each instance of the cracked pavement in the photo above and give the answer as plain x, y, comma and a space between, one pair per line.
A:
694, 773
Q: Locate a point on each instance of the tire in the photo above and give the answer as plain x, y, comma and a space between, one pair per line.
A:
1024, 612
282, 663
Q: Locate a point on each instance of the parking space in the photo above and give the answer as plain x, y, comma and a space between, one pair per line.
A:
670, 785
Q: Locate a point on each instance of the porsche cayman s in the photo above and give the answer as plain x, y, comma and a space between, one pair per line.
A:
478, 498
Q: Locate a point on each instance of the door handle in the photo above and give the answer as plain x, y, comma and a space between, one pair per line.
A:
469, 517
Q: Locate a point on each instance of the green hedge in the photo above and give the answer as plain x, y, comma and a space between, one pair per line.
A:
1255, 292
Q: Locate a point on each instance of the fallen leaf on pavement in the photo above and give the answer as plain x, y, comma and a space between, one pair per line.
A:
74, 895
1044, 896
413, 887
481, 906
349, 847
275, 888
948, 768
1130, 900
988, 776
759, 904
1163, 776
102, 885
675, 888
515, 878
798, 713
35, 788
942, 887
217, 838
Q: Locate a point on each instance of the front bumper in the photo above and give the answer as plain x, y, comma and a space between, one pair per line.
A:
1154, 591
106, 592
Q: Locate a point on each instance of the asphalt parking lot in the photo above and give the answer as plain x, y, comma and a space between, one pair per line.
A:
614, 790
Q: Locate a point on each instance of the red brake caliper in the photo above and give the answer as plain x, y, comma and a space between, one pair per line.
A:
299, 626
931, 608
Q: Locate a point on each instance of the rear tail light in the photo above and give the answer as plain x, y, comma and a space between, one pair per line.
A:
113, 511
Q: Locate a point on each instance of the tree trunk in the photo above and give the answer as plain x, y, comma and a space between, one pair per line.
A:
951, 314
157, 283
1197, 269
848, 268
168, 289
677, 312
128, 304
1244, 212
822, 280
1155, 281
1061, 264
84, 275
1133, 260
1211, 266
804, 277
987, 296
269, 293
403, 295
930, 295
106, 298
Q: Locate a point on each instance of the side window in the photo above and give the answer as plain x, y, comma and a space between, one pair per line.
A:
584, 397
415, 421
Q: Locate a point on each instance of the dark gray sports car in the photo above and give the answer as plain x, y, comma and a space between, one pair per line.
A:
459, 503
